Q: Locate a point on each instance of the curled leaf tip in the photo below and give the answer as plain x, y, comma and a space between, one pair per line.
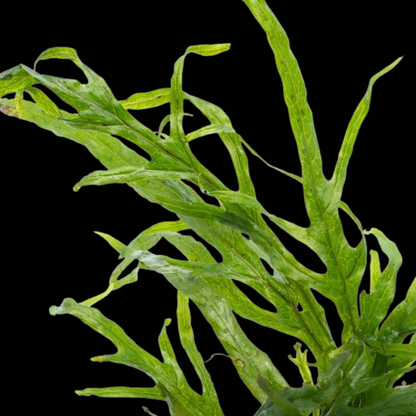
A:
63, 308
54, 310
76, 188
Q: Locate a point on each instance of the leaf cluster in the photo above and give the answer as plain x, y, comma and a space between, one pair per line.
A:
356, 378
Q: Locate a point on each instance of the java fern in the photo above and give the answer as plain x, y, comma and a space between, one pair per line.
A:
355, 379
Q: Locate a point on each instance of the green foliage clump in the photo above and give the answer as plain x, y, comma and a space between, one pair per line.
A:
355, 379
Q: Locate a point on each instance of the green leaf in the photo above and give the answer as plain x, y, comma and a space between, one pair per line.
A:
188, 343
302, 363
144, 100
402, 320
147, 393
401, 350
60, 53
128, 352
97, 298
218, 314
44, 102
295, 97
375, 270
232, 141
352, 131
128, 174
360, 370
169, 379
311, 397
345, 264
109, 150
374, 306
179, 141
282, 406
185, 209
117, 245
358, 377
399, 402
207, 130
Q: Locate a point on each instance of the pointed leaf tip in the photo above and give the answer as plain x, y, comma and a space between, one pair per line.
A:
209, 50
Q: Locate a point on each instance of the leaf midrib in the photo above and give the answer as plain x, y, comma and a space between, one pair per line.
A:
323, 215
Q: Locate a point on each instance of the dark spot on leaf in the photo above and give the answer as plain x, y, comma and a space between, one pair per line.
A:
9, 111
159, 96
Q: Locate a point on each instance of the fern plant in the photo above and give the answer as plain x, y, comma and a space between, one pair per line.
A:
356, 378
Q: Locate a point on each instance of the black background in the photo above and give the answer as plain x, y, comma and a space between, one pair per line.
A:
50, 251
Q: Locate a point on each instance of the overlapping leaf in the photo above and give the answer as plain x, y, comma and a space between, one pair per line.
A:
354, 379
